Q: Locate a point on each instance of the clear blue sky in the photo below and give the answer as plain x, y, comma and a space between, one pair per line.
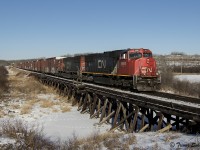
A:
45, 28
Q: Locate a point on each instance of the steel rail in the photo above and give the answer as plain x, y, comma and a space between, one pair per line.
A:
174, 96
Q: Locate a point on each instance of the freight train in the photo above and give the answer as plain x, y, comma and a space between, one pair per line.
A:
132, 68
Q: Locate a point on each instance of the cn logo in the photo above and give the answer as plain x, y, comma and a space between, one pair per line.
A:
149, 69
101, 63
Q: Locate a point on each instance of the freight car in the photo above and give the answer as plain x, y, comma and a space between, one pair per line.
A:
134, 68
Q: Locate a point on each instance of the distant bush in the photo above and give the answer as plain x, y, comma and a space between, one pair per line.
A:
4, 63
186, 88
178, 53
168, 82
3, 80
166, 73
185, 69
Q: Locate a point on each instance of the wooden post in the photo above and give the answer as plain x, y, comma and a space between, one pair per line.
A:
177, 122
110, 109
80, 102
161, 116
68, 94
133, 124
94, 104
65, 90
99, 105
72, 95
116, 115
126, 121
142, 118
74, 101
150, 118
104, 110
85, 102
89, 102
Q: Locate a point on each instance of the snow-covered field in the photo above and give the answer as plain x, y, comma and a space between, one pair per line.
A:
190, 78
59, 124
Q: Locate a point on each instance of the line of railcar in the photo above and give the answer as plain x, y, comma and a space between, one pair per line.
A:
134, 68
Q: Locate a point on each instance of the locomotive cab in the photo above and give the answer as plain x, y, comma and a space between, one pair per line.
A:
140, 64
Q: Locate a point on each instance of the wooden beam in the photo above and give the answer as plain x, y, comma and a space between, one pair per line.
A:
126, 121
95, 114
117, 125
117, 114
107, 118
144, 128
86, 110
165, 128
104, 110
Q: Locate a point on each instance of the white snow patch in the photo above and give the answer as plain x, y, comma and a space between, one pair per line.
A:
165, 141
64, 125
190, 78
6, 140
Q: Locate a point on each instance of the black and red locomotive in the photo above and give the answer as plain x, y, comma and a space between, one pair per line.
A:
135, 68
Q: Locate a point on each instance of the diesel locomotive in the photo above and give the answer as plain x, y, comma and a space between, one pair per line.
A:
132, 68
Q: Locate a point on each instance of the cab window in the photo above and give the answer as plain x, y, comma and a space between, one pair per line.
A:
124, 56
135, 55
147, 54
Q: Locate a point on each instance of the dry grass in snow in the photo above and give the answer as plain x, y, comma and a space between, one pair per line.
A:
27, 94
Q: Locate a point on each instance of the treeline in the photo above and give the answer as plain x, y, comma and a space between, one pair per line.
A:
186, 69
4, 63
180, 62
3, 80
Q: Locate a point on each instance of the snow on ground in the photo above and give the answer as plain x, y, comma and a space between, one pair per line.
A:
165, 141
64, 125
57, 124
190, 78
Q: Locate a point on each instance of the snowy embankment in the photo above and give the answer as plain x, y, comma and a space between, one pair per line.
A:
191, 78
52, 112
43, 107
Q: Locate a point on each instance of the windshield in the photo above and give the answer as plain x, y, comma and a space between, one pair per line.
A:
147, 54
135, 55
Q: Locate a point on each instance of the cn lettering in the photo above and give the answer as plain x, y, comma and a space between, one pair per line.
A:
149, 70
101, 63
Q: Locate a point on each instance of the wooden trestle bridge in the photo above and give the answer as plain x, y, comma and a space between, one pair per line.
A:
125, 110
